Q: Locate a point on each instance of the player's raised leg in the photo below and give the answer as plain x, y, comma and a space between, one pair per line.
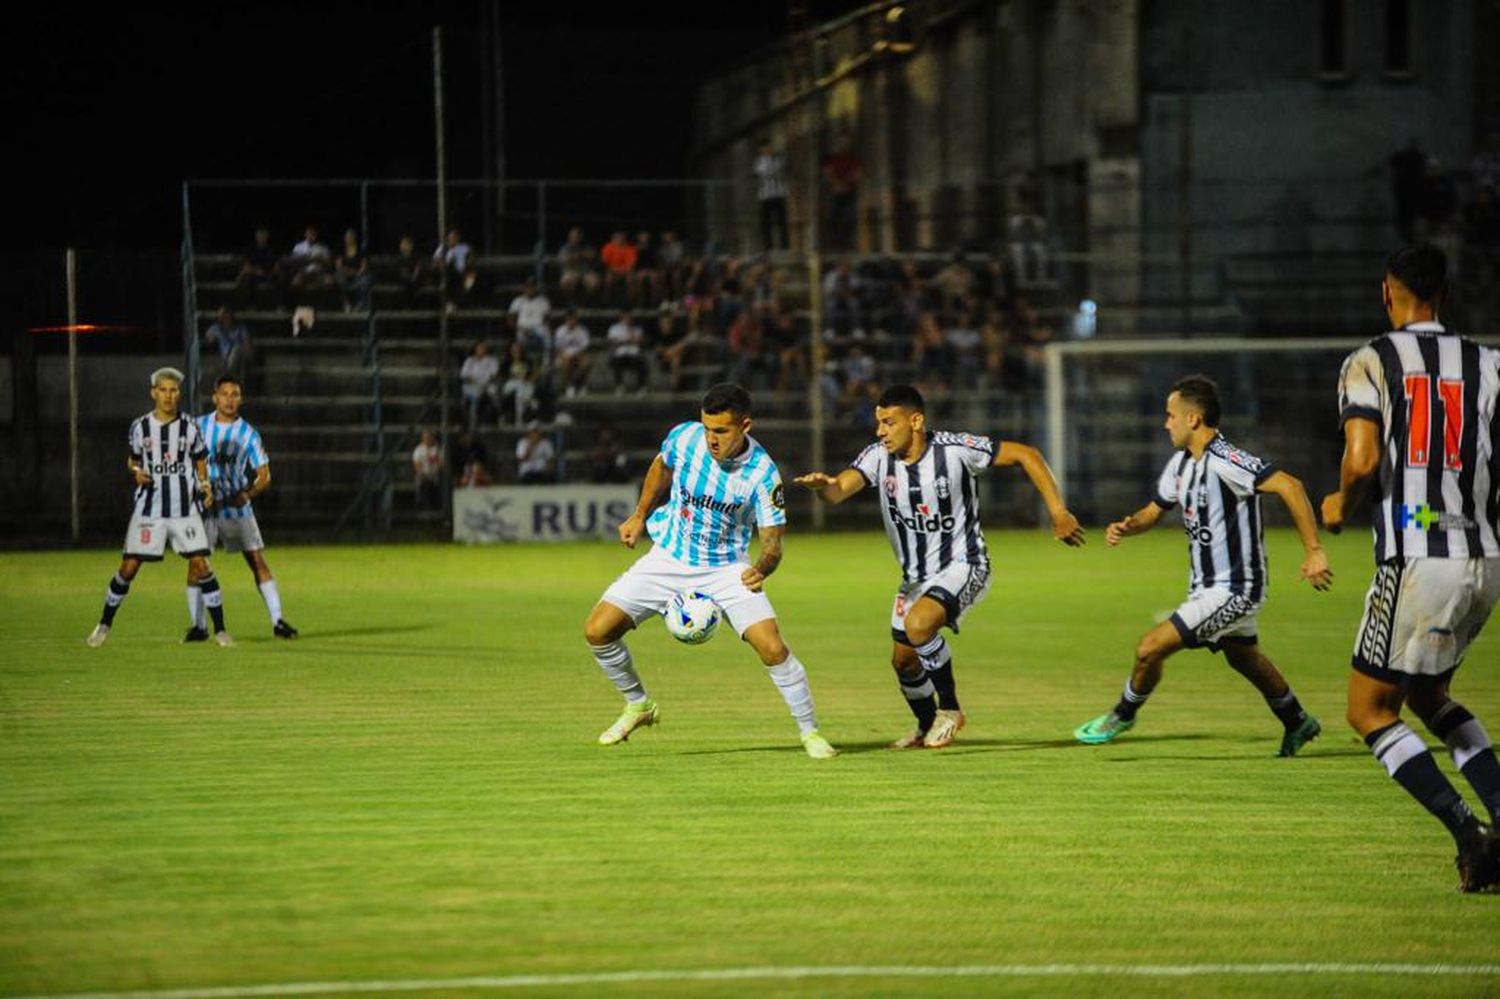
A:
1466, 738
1300, 728
1151, 653
791, 681
605, 632
923, 626
920, 694
114, 596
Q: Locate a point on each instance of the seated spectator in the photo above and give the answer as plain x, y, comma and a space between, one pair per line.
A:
929, 352
626, 341
232, 339
607, 459
412, 271
747, 348
427, 471
260, 268
570, 348
646, 280
576, 259
955, 283
478, 378
520, 399
536, 459
473, 461
727, 286
858, 371
528, 317
619, 259
840, 302
311, 263
352, 274
454, 260
965, 348
1026, 237
994, 338
1030, 335
789, 350
671, 259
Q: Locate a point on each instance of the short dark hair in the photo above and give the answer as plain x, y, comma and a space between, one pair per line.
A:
230, 379
1422, 268
905, 396
727, 396
1201, 392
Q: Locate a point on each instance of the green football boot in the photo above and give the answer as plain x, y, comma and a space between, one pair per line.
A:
1106, 728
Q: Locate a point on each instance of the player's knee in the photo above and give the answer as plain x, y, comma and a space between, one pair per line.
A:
1148, 652
773, 652
907, 668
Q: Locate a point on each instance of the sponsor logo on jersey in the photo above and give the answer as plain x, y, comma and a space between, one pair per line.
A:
926, 522
1425, 518
708, 503
169, 467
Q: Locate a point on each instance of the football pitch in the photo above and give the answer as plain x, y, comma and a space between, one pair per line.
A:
410, 799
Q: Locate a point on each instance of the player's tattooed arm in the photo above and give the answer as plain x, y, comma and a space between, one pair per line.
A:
1314, 561
771, 539
653, 492
204, 487
1064, 525
261, 484
1137, 523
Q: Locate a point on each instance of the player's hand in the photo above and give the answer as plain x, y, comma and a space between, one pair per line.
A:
207, 493
239, 499
1333, 512
815, 480
1065, 529
142, 477
630, 530
1116, 532
1315, 569
753, 579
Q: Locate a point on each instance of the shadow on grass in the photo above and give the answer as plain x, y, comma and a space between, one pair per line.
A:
311, 638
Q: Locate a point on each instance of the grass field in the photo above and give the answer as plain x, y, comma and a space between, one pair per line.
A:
412, 791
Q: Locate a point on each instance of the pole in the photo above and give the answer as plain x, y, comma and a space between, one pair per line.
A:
816, 354
440, 148
1185, 178
74, 501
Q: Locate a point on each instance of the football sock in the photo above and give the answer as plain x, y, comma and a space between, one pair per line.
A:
1407, 760
1287, 708
614, 659
937, 661
1472, 753
921, 698
272, 597
213, 599
114, 596
791, 679
195, 605
1130, 702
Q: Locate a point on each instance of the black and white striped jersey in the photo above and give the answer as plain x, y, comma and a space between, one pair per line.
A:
931, 506
1433, 395
1220, 515
167, 452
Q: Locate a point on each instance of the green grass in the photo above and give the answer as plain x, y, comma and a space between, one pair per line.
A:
412, 790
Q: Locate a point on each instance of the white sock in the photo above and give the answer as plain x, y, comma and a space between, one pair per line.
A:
614, 659
791, 679
272, 597
195, 607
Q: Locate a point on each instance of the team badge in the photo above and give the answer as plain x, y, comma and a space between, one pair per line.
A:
942, 488
778, 497
890, 485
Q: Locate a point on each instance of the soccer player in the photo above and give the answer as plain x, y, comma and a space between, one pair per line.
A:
239, 471
1219, 487
169, 463
710, 485
1421, 421
930, 501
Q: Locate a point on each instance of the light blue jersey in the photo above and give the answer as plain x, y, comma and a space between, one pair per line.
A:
234, 453
715, 506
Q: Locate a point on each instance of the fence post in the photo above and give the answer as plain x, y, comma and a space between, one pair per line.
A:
74, 500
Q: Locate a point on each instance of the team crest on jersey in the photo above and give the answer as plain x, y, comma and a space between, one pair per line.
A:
890, 485
942, 487
778, 497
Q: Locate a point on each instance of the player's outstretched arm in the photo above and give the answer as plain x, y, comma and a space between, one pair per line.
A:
653, 491
1356, 470
1137, 523
832, 488
771, 541
1064, 525
1314, 561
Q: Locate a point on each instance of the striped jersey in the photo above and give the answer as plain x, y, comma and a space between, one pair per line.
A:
931, 505
234, 453
1433, 395
715, 505
1220, 515
167, 451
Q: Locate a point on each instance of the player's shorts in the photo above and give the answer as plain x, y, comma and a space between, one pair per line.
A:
1421, 615
146, 538
237, 534
958, 588
1215, 617
646, 587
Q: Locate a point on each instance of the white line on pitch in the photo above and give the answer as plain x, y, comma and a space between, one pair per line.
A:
829, 971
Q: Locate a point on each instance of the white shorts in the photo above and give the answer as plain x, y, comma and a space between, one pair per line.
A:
237, 534
1421, 615
146, 537
958, 588
645, 588
1212, 618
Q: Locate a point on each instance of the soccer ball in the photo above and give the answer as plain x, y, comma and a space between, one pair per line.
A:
692, 617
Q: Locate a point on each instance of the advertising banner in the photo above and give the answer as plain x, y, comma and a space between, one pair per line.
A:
540, 513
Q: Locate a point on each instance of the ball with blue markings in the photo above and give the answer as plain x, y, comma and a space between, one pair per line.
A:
692, 617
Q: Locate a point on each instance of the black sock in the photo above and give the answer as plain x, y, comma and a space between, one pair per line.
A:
942, 682
1287, 708
1130, 702
922, 700
1472, 753
119, 587
1407, 760
213, 599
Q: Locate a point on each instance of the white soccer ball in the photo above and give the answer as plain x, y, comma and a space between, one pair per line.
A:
692, 617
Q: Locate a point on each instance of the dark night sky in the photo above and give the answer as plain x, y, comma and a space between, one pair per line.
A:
113, 110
